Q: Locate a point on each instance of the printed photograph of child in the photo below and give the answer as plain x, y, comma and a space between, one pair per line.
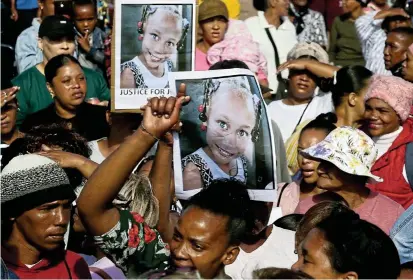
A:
151, 39
225, 134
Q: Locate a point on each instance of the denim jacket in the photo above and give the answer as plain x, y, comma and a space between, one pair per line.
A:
402, 235
96, 56
27, 52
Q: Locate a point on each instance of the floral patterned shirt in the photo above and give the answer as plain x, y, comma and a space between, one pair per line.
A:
133, 246
314, 30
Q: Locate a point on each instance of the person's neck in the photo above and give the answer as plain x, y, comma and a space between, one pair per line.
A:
354, 15
346, 117
272, 17
112, 143
355, 195
17, 246
204, 46
261, 238
290, 100
64, 112
11, 136
307, 190
41, 66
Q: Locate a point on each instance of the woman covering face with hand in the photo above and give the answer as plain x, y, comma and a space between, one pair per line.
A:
389, 102
66, 83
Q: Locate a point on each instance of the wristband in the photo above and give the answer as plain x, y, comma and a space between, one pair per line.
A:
146, 131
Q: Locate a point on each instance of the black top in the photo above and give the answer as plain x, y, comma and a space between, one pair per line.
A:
90, 120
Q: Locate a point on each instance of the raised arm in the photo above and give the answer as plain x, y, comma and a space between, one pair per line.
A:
95, 202
319, 69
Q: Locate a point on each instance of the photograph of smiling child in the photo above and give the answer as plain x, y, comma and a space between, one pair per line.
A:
162, 45
225, 134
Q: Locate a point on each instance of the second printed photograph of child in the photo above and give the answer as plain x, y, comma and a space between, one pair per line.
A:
225, 134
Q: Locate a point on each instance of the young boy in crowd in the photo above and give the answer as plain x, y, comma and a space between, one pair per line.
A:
89, 38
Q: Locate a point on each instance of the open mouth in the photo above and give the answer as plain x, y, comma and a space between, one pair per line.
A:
155, 58
78, 95
223, 152
307, 172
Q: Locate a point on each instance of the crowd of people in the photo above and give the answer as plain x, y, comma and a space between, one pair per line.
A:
87, 192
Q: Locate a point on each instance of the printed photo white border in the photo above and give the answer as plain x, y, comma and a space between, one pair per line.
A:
268, 194
116, 53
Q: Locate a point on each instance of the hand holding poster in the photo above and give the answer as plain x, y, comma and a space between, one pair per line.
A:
152, 39
226, 134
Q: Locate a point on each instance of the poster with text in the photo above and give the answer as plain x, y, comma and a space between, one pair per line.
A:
226, 134
151, 40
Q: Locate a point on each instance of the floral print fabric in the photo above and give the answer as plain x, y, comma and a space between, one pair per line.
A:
133, 246
349, 149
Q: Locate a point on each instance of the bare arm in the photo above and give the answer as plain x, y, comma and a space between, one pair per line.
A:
126, 79
95, 202
192, 178
160, 177
319, 69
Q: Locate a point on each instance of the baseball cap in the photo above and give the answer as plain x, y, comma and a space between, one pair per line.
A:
212, 8
55, 28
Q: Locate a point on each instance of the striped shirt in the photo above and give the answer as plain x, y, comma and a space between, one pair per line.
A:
372, 39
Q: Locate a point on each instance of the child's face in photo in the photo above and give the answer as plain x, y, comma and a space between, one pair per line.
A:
231, 119
85, 18
162, 32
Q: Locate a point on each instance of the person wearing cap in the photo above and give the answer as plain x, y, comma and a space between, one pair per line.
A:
27, 53
36, 204
56, 36
347, 155
304, 100
389, 100
345, 47
275, 34
372, 29
213, 22
407, 72
233, 6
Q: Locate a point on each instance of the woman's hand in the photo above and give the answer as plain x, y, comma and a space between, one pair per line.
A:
8, 94
298, 64
64, 159
162, 114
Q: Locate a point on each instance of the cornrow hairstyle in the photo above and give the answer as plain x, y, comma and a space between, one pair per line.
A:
151, 9
212, 85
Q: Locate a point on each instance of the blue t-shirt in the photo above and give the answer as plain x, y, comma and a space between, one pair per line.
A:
26, 4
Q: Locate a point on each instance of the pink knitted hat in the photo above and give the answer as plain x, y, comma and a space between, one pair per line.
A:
395, 91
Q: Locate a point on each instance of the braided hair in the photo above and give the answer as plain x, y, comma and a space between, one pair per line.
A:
151, 9
211, 86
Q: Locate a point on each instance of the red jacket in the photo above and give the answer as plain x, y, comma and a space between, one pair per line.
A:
390, 167
55, 268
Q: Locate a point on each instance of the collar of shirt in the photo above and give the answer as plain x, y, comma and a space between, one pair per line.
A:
264, 23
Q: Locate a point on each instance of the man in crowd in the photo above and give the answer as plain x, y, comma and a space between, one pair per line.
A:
372, 30
395, 51
36, 203
27, 52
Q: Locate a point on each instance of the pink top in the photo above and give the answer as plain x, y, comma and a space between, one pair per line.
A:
201, 62
376, 209
289, 197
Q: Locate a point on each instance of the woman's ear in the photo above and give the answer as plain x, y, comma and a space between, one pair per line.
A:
352, 99
230, 255
40, 43
350, 275
50, 89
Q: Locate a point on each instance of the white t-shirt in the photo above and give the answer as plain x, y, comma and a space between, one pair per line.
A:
109, 267
284, 37
277, 251
287, 116
96, 155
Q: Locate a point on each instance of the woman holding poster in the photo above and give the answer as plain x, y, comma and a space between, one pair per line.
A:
230, 130
162, 31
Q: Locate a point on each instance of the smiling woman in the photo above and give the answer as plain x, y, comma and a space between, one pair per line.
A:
67, 85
